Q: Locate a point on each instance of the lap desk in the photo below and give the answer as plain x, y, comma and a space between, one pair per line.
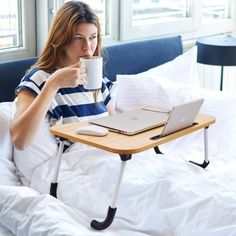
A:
125, 146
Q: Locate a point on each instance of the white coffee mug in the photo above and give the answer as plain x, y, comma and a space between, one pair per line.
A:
93, 67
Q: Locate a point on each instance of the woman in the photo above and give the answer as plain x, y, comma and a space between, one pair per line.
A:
54, 85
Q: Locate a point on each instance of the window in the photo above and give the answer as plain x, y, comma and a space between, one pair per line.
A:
215, 10
152, 18
216, 17
149, 12
17, 29
10, 25
149, 18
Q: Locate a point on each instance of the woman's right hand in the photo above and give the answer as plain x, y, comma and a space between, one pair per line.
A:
69, 77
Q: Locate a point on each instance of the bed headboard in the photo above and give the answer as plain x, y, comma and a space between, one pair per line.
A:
136, 57
125, 58
11, 73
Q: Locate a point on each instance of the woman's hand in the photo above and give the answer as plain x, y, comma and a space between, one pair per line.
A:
68, 77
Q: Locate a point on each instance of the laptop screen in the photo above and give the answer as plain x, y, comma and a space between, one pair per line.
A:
181, 117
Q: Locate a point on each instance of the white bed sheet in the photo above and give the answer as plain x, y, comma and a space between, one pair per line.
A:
26, 212
5, 231
160, 195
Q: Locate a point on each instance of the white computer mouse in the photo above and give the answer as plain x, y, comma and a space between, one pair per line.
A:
93, 130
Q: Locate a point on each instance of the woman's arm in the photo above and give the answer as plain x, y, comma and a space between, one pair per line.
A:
31, 110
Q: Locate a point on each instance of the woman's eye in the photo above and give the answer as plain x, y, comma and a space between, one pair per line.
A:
77, 38
93, 37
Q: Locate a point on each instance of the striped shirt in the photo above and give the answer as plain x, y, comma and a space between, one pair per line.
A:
69, 104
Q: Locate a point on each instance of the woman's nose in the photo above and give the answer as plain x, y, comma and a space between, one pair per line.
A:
86, 46
85, 50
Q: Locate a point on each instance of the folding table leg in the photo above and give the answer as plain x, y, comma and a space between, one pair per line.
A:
206, 160
112, 209
53, 188
157, 150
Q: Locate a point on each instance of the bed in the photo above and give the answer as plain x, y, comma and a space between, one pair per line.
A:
161, 194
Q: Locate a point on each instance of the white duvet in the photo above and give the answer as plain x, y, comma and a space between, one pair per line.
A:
160, 194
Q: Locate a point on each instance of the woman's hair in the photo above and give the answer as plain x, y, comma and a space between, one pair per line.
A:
62, 33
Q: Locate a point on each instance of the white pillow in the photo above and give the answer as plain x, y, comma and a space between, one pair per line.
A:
135, 91
183, 69
5, 140
42, 148
166, 85
7, 167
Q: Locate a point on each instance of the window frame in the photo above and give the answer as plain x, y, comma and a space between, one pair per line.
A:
28, 34
215, 28
113, 9
189, 28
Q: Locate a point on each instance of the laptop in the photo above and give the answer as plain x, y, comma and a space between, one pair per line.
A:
181, 117
137, 121
133, 122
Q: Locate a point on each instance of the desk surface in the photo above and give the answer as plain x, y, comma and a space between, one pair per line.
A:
123, 144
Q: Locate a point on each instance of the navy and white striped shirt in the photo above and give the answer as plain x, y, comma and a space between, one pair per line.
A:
69, 104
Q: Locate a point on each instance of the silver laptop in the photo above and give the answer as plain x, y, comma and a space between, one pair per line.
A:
136, 121
133, 122
181, 117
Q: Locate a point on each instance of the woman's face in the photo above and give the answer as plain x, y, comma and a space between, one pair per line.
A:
84, 43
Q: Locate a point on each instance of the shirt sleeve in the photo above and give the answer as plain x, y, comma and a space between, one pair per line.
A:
106, 86
33, 81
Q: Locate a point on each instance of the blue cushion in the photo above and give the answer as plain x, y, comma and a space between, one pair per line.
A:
136, 57
10, 75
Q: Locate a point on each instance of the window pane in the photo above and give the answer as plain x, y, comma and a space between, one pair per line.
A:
9, 24
215, 10
100, 7
147, 12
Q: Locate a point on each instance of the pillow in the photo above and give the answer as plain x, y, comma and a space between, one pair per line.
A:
183, 69
136, 91
7, 167
166, 85
5, 141
42, 148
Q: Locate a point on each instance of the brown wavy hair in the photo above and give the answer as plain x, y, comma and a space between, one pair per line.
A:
62, 32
